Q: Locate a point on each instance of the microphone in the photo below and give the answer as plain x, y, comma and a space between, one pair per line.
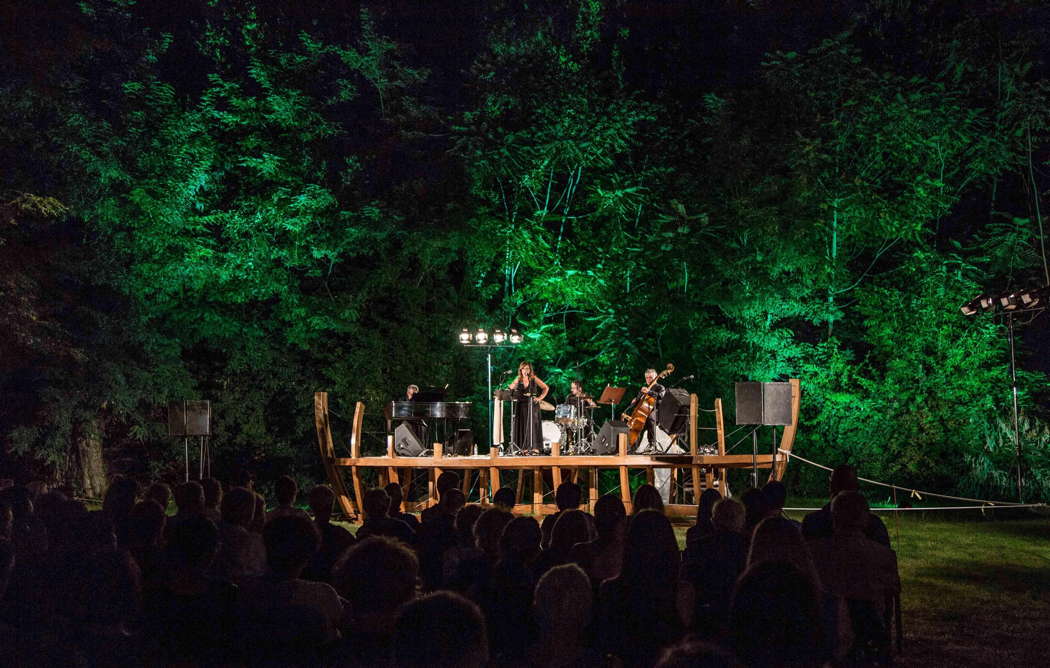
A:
689, 377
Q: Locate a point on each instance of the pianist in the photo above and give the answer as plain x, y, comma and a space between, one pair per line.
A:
417, 427
410, 391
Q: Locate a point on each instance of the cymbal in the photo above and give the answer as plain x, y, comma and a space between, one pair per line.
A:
546, 406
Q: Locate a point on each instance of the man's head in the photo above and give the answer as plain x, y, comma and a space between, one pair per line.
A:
411, 391
843, 479
291, 542
189, 497
849, 512
376, 504
728, 515
321, 500
776, 495
285, 490
397, 497
452, 500
568, 496
238, 507
577, 386
446, 481
504, 498
650, 376
443, 630
376, 575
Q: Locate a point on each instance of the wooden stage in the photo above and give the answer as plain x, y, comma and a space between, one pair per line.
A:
692, 470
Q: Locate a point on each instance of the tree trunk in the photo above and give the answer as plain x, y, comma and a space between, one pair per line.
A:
88, 473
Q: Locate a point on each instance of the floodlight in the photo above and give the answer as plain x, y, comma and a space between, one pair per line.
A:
970, 307
464, 336
481, 337
515, 338
498, 337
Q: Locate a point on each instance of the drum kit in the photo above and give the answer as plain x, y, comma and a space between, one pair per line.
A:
572, 427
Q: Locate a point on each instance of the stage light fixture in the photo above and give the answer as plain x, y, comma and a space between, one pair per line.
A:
481, 337
464, 336
1010, 301
498, 337
971, 307
986, 302
1030, 299
515, 338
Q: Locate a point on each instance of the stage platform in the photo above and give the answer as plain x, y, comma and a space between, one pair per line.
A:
693, 470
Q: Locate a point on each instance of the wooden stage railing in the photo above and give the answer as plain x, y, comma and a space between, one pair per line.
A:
704, 470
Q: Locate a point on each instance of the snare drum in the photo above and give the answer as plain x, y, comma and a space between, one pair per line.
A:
565, 413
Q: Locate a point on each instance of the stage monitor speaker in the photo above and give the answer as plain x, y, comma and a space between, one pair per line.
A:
776, 403
189, 418
608, 437
406, 443
672, 414
763, 403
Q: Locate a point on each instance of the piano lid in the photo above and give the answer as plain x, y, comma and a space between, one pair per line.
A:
454, 410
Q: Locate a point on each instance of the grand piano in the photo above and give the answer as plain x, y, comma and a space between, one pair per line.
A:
431, 418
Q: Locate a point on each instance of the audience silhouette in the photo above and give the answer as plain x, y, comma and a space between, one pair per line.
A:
129, 585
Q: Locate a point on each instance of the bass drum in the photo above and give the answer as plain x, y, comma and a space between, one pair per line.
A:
551, 434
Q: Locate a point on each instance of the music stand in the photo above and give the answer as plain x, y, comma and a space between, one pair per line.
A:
612, 396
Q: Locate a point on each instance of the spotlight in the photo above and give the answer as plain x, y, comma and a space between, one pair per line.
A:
481, 337
1009, 301
464, 336
1030, 299
498, 337
515, 338
986, 302
970, 307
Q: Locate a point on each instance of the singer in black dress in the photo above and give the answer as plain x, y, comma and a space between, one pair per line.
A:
529, 391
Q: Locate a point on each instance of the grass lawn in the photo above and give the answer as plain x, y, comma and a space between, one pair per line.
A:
974, 591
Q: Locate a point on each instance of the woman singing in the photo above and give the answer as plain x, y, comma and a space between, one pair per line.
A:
529, 391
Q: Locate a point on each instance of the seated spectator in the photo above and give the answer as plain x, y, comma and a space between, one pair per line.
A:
637, 611
212, 499
189, 500
562, 609
286, 490
192, 617
104, 603
755, 510
463, 549
144, 540
120, 498
818, 524
334, 539
442, 630
571, 528
647, 497
241, 553
284, 617
446, 481
397, 499
436, 536
859, 576
161, 493
507, 598
504, 499
602, 557
376, 505
776, 495
472, 573
775, 617
703, 526
566, 497
778, 539
713, 565
376, 577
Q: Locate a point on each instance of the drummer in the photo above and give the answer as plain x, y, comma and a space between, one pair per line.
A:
579, 398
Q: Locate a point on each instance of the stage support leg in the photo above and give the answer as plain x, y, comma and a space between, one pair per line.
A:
592, 485
537, 490
625, 483
694, 445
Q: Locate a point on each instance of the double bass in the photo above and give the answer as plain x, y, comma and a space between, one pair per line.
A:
638, 416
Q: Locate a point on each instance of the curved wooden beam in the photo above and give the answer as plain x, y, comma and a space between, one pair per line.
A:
787, 438
324, 442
